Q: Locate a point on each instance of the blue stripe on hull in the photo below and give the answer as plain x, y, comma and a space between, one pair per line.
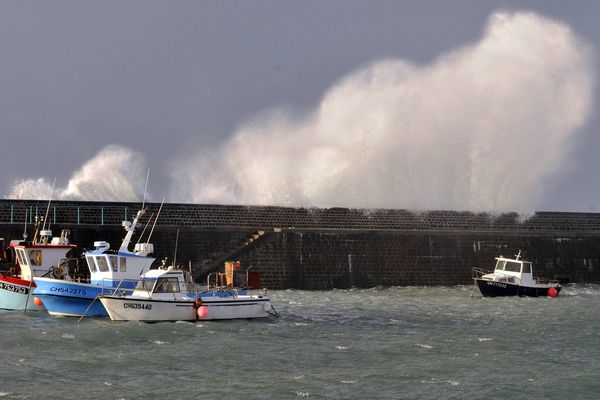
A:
73, 306
71, 298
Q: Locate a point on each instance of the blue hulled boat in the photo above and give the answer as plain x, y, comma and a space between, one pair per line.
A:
109, 270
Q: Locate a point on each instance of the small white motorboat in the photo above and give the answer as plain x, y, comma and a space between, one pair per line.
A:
514, 277
169, 294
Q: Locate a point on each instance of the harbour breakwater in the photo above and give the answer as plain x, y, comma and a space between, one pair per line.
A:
330, 248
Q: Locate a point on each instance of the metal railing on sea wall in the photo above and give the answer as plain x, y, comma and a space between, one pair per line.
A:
268, 217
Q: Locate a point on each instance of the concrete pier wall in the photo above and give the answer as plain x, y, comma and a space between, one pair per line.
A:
333, 248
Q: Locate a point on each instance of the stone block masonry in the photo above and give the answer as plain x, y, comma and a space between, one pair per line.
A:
337, 247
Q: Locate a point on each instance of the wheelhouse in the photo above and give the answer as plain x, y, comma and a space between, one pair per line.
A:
512, 266
106, 263
160, 285
37, 259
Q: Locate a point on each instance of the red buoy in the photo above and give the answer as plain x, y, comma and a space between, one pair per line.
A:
202, 311
37, 301
552, 292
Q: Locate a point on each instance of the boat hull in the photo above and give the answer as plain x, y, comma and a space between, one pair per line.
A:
121, 308
72, 299
16, 294
497, 289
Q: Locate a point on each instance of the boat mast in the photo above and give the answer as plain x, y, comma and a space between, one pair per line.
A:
130, 228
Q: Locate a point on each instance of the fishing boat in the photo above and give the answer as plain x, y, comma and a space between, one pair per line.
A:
108, 268
25, 259
514, 277
169, 294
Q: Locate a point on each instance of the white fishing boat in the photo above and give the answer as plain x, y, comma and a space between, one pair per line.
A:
169, 294
514, 277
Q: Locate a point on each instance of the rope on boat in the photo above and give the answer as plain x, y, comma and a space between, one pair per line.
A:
87, 309
273, 313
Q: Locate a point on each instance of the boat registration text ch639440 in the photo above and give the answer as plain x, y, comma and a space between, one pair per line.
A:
138, 306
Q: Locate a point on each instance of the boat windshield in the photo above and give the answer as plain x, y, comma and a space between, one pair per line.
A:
145, 284
21, 256
167, 285
90, 263
512, 266
102, 263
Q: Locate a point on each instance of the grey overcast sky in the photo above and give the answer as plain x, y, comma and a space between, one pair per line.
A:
222, 99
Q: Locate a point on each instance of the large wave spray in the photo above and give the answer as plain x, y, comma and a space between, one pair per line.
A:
113, 174
481, 128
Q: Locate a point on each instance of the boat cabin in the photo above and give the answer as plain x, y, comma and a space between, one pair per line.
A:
36, 259
108, 267
162, 283
509, 270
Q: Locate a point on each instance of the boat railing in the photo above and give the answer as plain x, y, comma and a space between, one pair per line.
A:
148, 289
217, 281
546, 281
480, 272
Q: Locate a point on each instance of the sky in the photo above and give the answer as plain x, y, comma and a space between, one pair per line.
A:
420, 105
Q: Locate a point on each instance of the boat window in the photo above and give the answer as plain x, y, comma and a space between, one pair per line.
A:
513, 266
123, 264
113, 262
167, 285
90, 263
36, 257
527, 268
144, 284
21, 257
102, 263
500, 264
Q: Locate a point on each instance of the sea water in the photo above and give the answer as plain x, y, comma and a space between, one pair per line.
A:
383, 343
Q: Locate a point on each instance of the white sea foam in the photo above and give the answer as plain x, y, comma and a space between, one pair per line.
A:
425, 346
480, 128
114, 174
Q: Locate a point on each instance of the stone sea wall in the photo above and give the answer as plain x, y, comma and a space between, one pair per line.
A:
331, 248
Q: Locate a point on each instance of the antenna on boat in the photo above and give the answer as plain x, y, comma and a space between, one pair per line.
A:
146, 226
175, 255
48, 208
145, 188
157, 215
25, 229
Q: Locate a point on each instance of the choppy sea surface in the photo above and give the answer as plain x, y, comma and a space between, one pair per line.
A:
384, 343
